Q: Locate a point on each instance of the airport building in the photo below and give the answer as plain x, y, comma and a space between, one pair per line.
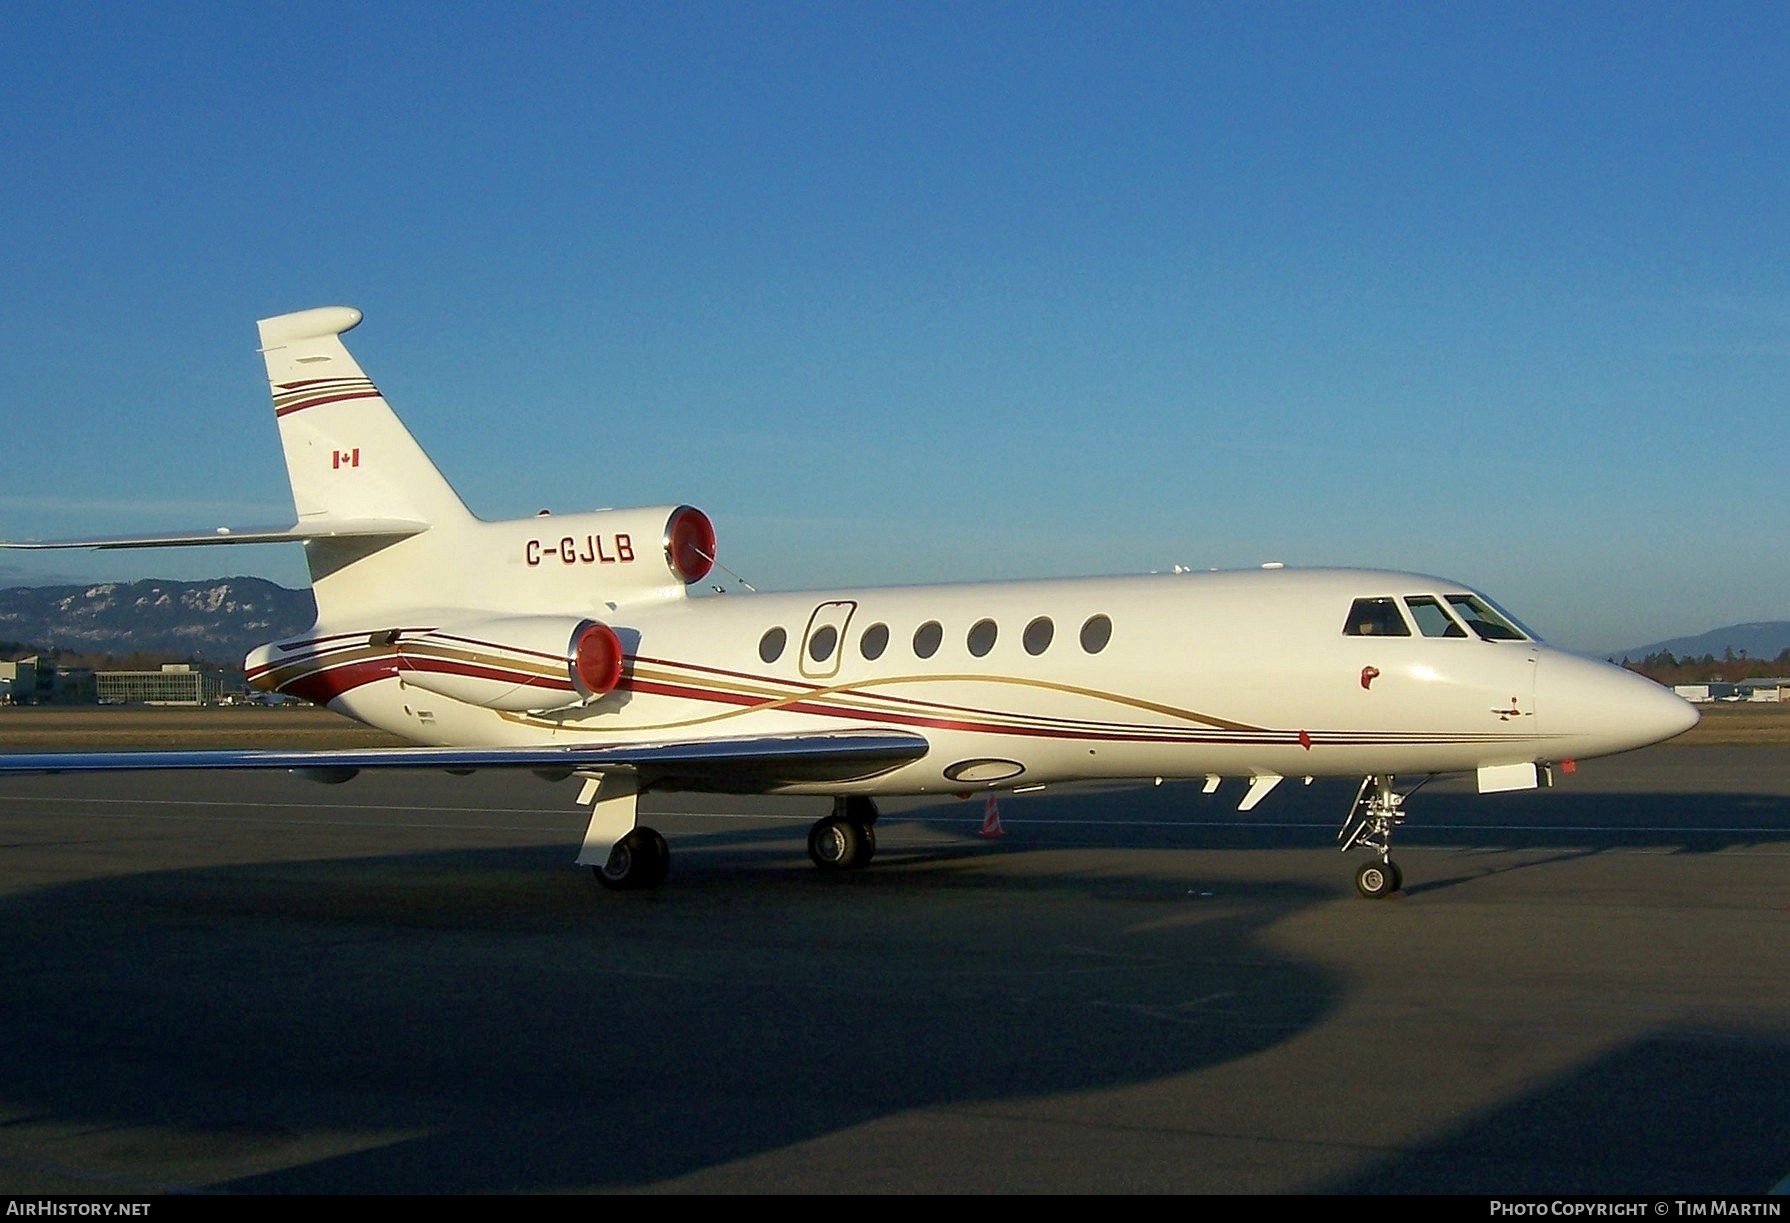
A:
39, 681
1775, 689
174, 684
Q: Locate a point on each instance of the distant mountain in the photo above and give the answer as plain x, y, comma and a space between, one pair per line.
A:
1764, 640
218, 620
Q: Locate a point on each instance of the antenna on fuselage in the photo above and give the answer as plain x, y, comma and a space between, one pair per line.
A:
730, 573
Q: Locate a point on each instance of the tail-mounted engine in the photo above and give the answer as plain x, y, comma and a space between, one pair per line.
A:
689, 544
614, 549
519, 664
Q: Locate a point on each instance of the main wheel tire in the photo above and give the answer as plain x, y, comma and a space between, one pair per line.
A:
866, 844
1376, 880
835, 844
638, 860
661, 857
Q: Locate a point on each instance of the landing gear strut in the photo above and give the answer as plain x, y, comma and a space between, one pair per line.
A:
624, 854
846, 839
1369, 824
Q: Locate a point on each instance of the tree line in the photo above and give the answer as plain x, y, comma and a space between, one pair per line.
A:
1733, 667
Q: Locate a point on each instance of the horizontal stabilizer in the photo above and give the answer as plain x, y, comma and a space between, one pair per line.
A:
322, 529
729, 764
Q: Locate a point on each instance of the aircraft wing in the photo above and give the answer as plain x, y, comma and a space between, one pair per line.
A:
744, 764
297, 532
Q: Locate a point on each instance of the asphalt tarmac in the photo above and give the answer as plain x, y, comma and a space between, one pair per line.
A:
236, 983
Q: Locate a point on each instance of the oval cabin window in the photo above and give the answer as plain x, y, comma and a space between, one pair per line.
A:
770, 646
1096, 633
981, 638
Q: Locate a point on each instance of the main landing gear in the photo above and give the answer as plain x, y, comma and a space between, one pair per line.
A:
626, 855
846, 839
1369, 824
638, 860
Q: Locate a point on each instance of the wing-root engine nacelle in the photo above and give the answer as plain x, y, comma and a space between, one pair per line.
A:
519, 664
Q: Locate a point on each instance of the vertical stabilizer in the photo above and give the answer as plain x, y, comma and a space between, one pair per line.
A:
348, 455
352, 461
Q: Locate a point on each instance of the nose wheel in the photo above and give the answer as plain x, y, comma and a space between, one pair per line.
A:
1369, 824
1375, 880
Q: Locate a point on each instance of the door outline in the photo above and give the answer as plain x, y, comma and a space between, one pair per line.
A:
835, 615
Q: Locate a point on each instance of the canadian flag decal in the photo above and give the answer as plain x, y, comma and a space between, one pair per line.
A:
344, 458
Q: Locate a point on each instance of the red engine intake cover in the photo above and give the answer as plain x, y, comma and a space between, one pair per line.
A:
596, 658
690, 544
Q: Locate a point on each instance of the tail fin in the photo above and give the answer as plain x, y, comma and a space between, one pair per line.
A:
351, 461
387, 541
347, 454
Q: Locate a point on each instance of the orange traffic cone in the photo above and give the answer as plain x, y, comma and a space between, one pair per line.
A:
991, 817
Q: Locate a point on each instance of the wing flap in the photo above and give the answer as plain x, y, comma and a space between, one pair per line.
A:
721, 764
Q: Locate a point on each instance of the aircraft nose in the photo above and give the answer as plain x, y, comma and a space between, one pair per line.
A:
1594, 708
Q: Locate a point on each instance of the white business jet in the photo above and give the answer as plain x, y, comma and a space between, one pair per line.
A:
566, 644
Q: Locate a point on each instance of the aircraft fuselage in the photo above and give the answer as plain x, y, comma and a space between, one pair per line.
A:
1020, 683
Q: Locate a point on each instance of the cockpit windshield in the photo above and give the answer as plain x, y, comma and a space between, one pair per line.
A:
1432, 621
1455, 615
1484, 619
1376, 618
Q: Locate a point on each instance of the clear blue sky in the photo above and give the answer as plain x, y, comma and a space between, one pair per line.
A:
903, 292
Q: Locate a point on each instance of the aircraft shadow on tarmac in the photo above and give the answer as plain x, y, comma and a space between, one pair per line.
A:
1674, 1113
489, 1021
496, 1023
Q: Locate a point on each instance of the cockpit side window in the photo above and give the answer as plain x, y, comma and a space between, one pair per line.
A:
1482, 619
1376, 618
1432, 619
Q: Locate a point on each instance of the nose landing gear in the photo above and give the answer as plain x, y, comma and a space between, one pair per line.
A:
1369, 824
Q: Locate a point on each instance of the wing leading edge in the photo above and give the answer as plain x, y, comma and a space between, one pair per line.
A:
721, 764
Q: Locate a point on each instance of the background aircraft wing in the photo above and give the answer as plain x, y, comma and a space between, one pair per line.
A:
297, 532
720, 764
